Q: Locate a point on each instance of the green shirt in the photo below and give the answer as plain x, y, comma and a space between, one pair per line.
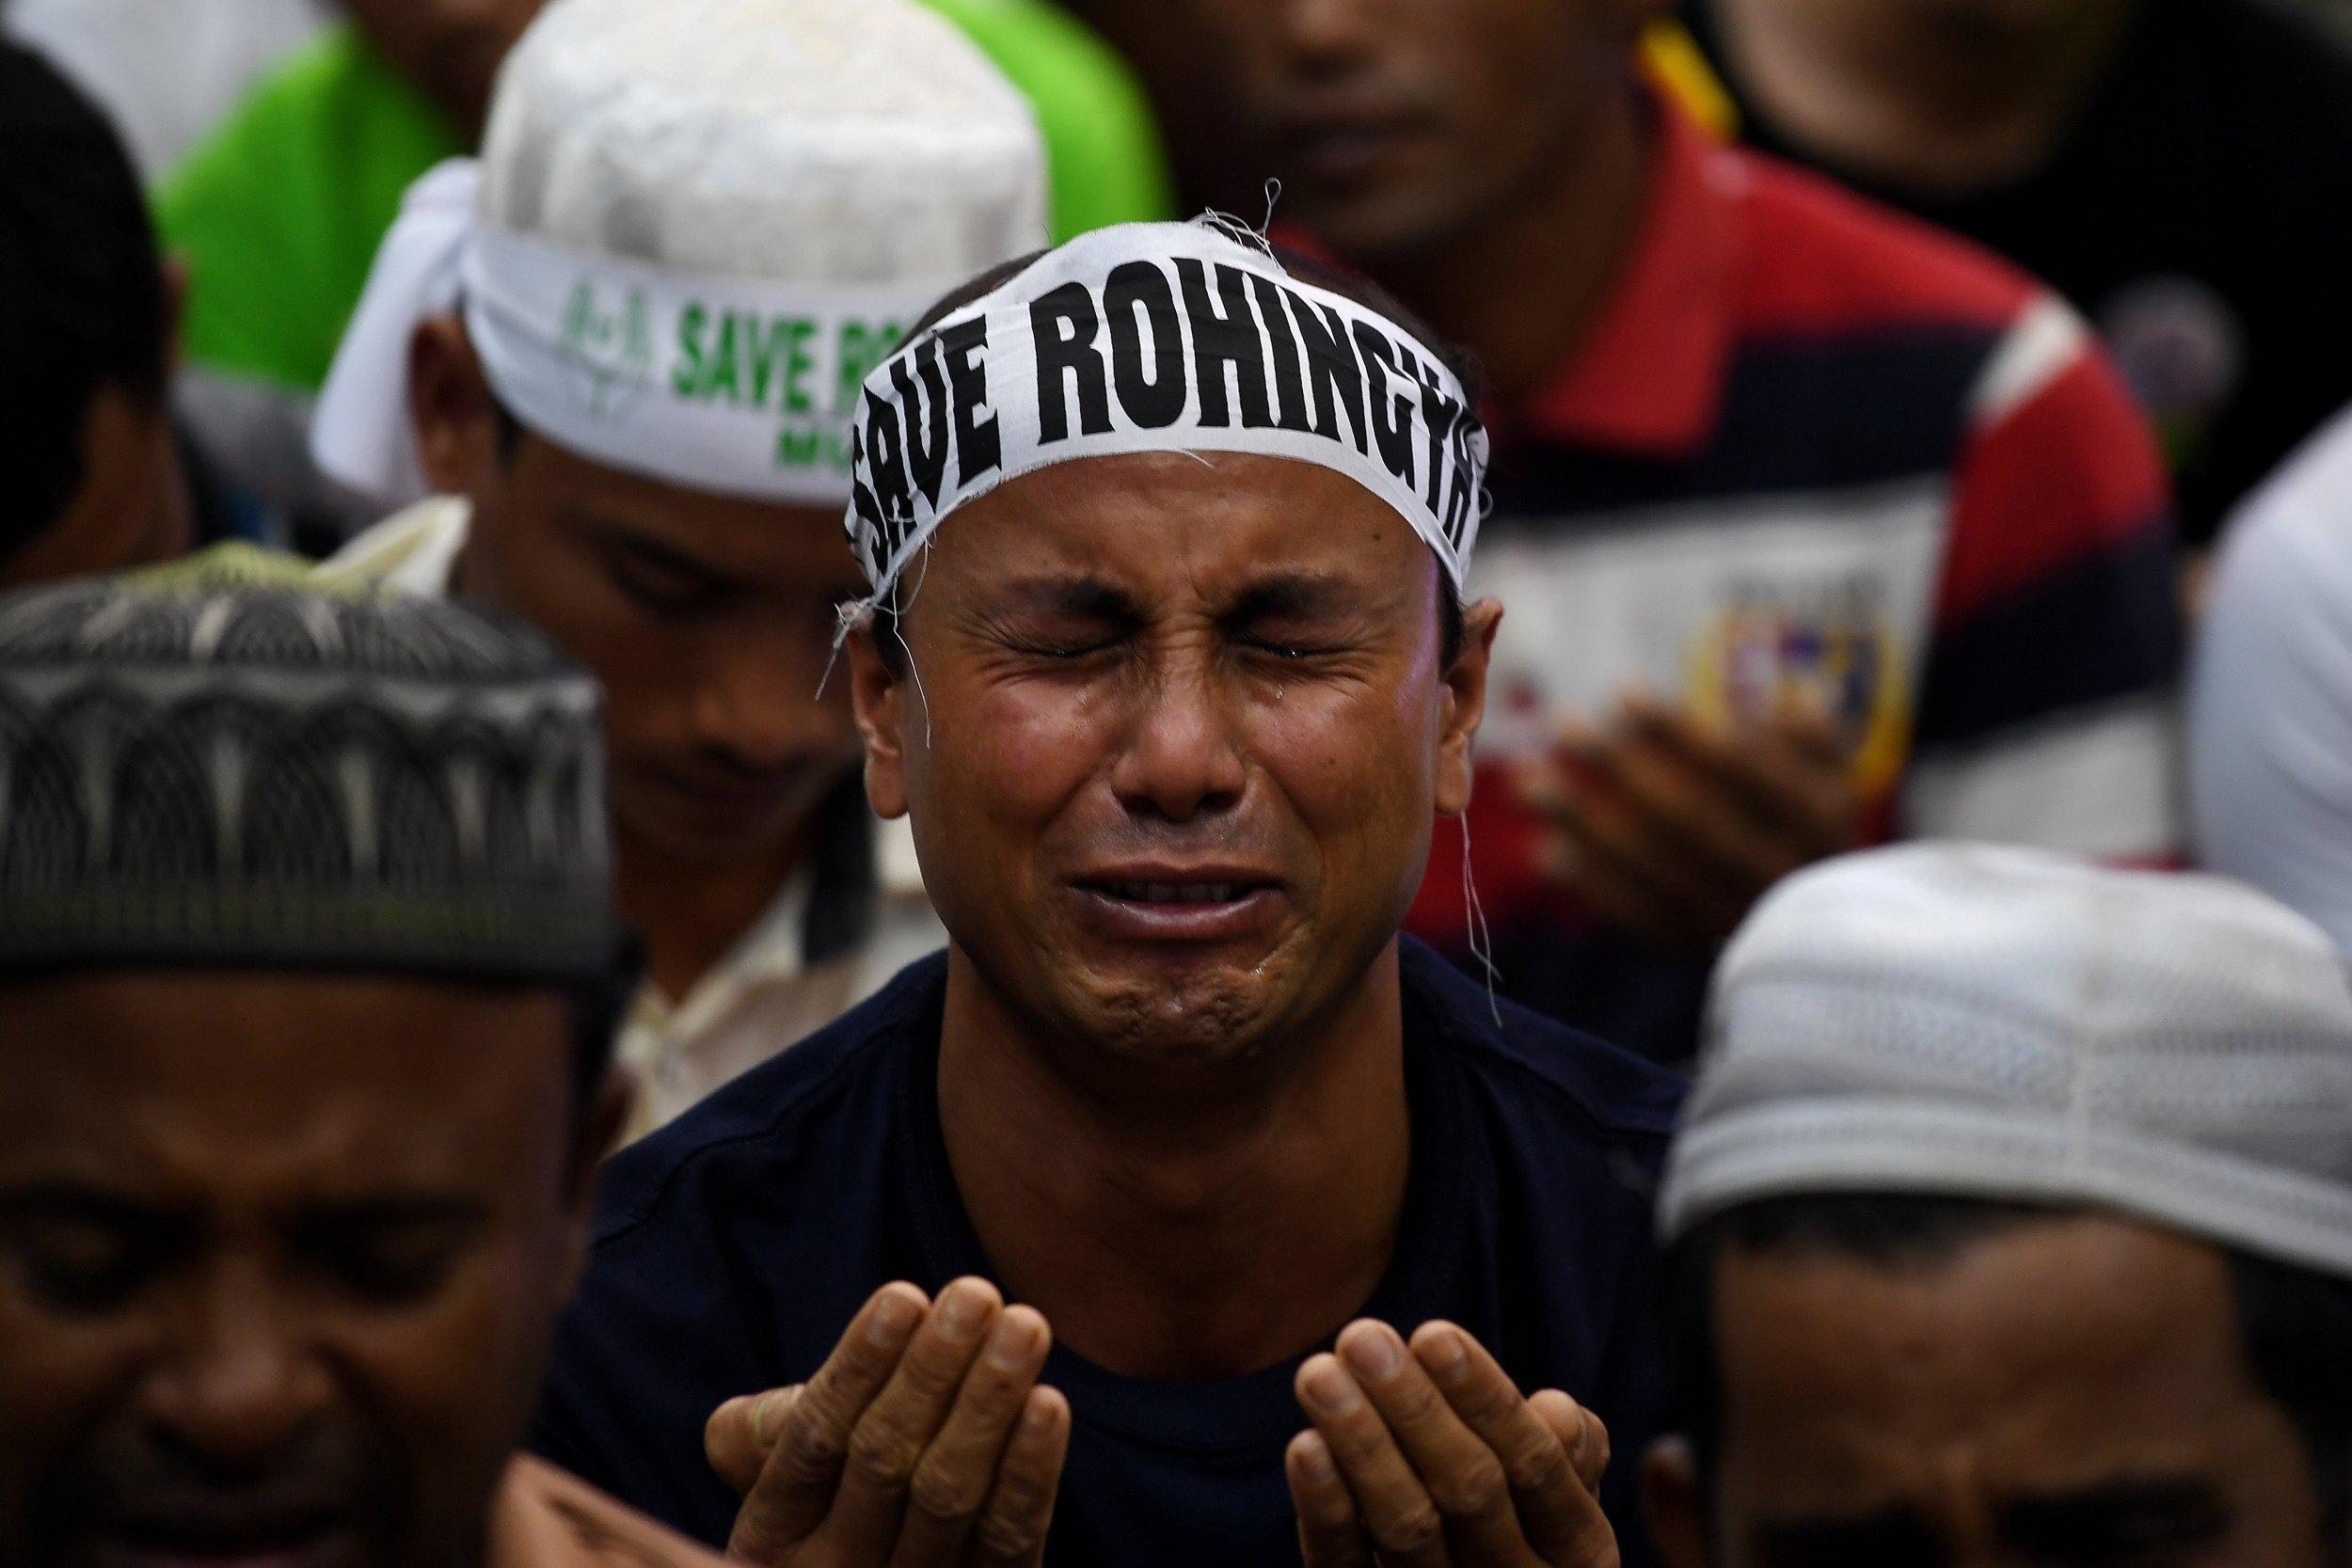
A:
279, 214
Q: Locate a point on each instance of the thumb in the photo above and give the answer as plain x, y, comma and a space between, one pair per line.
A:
1579, 1431
739, 1433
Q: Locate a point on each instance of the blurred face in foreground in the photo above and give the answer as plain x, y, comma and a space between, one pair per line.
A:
1180, 728
2066, 1393
710, 621
1401, 125
279, 1261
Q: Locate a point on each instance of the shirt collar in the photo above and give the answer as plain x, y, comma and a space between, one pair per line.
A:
1649, 378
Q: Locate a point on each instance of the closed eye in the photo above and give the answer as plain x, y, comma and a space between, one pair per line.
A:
90, 1252
393, 1254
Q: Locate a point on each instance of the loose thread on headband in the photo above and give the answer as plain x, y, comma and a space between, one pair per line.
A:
898, 629
1481, 943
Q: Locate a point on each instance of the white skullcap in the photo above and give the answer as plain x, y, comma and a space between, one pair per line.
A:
2006, 1024
695, 226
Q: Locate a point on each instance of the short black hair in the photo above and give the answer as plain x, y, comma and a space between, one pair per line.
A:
2294, 1324
1313, 271
81, 287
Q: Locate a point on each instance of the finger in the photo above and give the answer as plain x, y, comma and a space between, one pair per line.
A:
1583, 1432
958, 1471
1605, 852
1555, 1499
1393, 1508
896, 1428
794, 1489
1011, 1534
1462, 1475
1329, 1535
1696, 818
1789, 775
739, 1433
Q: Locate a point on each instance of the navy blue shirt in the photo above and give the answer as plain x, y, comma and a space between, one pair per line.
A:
732, 1248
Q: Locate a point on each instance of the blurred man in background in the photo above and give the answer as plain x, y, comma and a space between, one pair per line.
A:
625, 350
2013, 1223
308, 978
2270, 699
1813, 527
89, 324
279, 213
2174, 167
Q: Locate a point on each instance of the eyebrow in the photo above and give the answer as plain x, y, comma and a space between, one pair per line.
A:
1286, 594
2117, 1519
664, 554
79, 1203
1297, 593
84, 1203
1895, 1538
1088, 596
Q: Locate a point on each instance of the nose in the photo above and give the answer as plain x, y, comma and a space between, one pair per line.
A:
1327, 33
1179, 761
240, 1380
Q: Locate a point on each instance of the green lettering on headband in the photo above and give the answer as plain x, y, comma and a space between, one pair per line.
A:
863, 346
814, 444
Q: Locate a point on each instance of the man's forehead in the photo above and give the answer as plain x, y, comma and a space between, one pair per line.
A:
1222, 523
2056, 1353
140, 1060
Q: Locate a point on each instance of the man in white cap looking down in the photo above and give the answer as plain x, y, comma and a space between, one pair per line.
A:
1182, 1195
2012, 1222
623, 350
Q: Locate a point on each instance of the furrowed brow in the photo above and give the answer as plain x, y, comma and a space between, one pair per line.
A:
2118, 1521
1296, 595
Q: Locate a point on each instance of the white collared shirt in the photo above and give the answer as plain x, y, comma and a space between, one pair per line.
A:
763, 996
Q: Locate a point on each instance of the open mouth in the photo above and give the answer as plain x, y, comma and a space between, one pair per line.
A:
1176, 892
1213, 907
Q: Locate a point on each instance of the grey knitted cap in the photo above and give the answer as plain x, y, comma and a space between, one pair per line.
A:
2002, 1023
272, 777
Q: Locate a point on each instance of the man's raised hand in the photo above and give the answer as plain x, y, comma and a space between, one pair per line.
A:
924, 1442
1426, 1456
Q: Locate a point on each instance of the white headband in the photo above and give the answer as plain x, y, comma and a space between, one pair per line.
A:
736, 387
1160, 337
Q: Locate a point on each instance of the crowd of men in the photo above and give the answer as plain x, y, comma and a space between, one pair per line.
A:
744, 811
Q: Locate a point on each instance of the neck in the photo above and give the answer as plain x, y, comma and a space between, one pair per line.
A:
691, 910
1181, 1224
1523, 286
1940, 100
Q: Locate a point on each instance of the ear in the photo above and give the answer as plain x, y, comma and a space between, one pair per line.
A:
175, 271
451, 409
1670, 1498
1463, 705
599, 1135
880, 699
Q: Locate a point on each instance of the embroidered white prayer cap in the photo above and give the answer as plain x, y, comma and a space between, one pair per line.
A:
2004, 1023
694, 227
